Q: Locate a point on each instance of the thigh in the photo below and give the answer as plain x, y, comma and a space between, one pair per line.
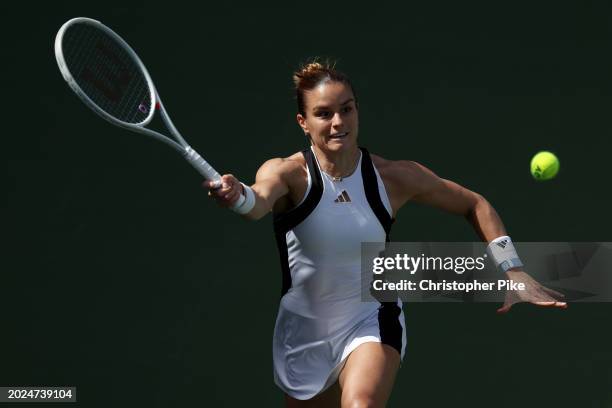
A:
368, 375
330, 398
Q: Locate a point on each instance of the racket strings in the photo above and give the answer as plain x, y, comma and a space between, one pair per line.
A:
107, 73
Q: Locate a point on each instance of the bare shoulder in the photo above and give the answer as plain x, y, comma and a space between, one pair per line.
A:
404, 171
404, 178
290, 172
286, 168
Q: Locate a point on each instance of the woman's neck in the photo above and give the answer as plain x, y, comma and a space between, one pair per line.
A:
338, 164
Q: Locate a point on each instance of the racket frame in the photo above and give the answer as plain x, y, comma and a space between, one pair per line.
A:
182, 146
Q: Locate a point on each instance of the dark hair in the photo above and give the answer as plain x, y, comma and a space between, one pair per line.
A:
311, 74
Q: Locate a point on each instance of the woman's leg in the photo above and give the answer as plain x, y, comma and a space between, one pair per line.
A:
368, 376
330, 398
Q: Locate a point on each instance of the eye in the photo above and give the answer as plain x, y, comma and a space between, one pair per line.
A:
347, 109
322, 114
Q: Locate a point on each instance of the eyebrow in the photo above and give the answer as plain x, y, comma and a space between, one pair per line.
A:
325, 107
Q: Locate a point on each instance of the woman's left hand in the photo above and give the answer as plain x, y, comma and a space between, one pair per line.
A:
533, 293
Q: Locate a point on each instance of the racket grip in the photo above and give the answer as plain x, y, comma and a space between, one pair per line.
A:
201, 165
211, 174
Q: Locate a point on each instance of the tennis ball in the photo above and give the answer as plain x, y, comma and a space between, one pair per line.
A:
544, 166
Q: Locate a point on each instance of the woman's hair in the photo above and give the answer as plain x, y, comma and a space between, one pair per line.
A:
311, 74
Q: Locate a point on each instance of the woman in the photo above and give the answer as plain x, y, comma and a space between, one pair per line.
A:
330, 348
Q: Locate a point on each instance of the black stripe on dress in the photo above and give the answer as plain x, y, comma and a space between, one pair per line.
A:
370, 185
389, 325
285, 222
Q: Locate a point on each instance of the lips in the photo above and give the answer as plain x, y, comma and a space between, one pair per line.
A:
338, 135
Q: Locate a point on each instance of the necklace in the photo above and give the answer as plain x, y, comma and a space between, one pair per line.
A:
337, 179
340, 178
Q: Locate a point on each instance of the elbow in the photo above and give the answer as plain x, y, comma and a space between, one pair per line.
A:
480, 200
475, 213
477, 203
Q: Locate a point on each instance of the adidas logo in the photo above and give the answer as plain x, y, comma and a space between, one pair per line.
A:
502, 244
343, 198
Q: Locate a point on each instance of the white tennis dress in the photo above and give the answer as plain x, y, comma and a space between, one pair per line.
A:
322, 317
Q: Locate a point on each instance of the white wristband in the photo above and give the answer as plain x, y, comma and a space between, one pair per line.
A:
502, 253
249, 201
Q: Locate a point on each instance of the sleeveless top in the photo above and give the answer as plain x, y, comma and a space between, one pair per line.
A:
319, 241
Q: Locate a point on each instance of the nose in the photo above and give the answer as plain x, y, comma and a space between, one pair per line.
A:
337, 121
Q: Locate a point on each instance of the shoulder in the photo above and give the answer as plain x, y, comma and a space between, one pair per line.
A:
401, 170
291, 173
284, 167
405, 176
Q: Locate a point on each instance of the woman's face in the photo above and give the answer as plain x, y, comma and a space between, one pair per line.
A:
331, 116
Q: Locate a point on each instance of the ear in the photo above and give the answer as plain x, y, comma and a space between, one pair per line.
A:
302, 122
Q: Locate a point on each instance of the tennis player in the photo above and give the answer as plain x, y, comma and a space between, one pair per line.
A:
331, 349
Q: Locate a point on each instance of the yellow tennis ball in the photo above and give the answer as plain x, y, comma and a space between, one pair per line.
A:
544, 166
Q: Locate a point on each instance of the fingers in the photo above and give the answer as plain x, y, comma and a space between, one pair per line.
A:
560, 305
224, 191
547, 304
504, 309
535, 294
546, 297
233, 194
549, 298
212, 185
539, 298
553, 293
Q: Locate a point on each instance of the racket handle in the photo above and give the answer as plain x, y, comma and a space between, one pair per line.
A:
201, 165
209, 173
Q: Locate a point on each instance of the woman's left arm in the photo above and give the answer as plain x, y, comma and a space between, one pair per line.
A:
411, 181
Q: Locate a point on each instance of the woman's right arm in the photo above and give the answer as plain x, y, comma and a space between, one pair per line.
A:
271, 183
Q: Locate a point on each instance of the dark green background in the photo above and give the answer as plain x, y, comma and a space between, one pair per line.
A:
120, 277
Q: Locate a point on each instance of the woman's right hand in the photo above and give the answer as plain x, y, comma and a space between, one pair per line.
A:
225, 191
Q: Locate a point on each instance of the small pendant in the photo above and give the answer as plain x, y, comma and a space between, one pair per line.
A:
336, 178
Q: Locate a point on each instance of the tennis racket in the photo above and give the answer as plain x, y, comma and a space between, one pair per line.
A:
107, 75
